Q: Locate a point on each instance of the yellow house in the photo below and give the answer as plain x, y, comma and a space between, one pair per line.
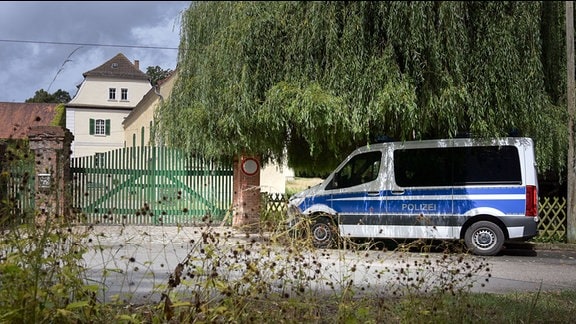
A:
138, 124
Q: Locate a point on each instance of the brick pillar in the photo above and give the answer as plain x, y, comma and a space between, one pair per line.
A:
246, 197
3, 179
51, 147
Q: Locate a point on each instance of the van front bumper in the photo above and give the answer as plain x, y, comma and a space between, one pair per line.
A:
294, 216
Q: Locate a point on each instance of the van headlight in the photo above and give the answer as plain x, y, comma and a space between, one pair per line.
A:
295, 201
294, 211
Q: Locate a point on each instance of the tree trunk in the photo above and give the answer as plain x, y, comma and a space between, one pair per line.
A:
571, 221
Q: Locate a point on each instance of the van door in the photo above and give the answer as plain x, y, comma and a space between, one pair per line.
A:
355, 193
420, 204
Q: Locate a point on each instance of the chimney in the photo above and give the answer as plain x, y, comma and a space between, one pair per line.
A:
137, 64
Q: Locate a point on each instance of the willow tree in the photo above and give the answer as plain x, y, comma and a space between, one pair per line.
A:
309, 81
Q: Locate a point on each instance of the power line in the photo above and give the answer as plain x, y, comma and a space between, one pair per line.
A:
85, 44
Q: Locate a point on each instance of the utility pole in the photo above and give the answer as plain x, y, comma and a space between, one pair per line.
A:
571, 208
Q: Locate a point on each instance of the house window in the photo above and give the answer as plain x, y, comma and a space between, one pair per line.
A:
112, 94
99, 159
99, 127
124, 94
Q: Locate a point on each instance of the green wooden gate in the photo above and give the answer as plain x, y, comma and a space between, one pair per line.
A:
149, 185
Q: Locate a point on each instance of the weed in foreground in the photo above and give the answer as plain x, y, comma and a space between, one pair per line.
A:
227, 276
42, 275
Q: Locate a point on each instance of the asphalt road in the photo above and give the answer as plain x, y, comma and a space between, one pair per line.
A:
134, 264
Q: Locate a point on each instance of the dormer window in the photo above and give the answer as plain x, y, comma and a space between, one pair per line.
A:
112, 94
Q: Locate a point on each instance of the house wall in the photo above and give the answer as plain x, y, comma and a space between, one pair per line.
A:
85, 144
273, 178
137, 133
142, 116
94, 92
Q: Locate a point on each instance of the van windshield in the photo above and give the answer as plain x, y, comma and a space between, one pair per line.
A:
361, 168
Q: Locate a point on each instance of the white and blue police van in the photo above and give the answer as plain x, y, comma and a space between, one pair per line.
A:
481, 191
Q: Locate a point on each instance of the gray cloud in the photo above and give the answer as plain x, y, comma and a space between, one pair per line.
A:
28, 67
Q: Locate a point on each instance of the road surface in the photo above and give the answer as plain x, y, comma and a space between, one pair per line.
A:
134, 264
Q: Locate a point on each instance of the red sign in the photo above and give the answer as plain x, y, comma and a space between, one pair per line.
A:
250, 166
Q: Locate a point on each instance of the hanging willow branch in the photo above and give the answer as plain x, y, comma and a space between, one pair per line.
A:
309, 81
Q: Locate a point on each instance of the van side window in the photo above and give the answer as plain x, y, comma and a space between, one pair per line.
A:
426, 167
487, 165
361, 168
457, 166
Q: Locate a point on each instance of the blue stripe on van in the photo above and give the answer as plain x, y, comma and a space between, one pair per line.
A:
508, 200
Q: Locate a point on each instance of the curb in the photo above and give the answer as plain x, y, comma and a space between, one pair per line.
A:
541, 246
555, 246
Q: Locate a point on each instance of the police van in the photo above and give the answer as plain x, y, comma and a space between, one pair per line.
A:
484, 192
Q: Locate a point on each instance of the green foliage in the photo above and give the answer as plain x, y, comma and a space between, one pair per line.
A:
60, 116
156, 73
41, 275
309, 81
42, 96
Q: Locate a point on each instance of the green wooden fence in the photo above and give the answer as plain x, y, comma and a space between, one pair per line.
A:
149, 185
17, 204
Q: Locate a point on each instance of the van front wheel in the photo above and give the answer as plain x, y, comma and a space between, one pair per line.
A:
484, 238
323, 232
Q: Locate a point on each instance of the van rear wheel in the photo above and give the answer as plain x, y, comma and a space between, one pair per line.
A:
484, 238
323, 232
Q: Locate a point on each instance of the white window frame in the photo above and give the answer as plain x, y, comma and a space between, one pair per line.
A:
124, 94
112, 94
100, 127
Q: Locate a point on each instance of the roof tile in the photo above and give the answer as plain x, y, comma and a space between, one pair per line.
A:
117, 67
17, 118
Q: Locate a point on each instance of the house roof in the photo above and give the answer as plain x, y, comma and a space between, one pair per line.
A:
118, 67
148, 97
17, 118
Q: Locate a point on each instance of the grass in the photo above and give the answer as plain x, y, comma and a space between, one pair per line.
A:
297, 184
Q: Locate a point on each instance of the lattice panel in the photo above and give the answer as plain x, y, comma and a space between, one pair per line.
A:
552, 218
275, 202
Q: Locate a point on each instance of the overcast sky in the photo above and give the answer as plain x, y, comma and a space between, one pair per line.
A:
31, 60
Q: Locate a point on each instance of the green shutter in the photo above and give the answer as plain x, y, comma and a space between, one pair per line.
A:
91, 126
107, 126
